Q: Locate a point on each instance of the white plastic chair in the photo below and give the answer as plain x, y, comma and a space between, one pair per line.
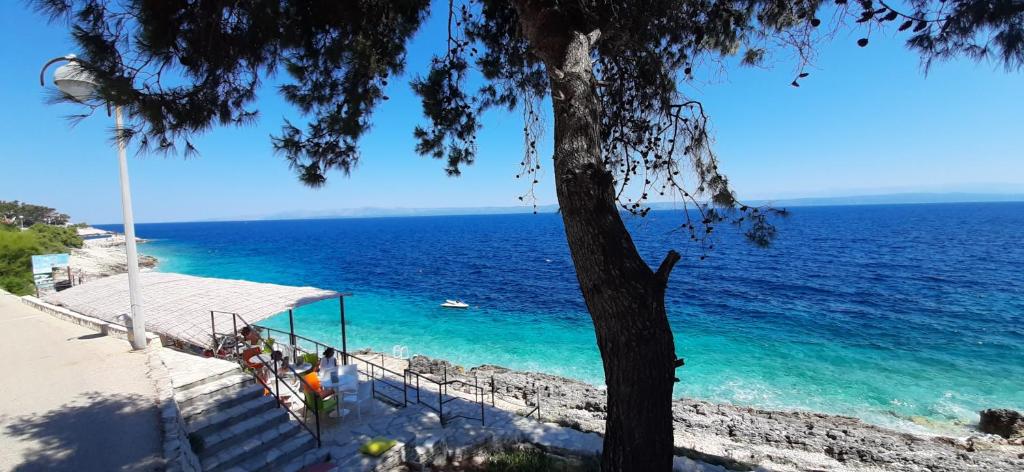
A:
348, 390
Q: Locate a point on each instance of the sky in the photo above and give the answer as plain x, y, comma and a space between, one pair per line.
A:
866, 121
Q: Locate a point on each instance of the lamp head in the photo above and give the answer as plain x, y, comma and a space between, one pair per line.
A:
74, 80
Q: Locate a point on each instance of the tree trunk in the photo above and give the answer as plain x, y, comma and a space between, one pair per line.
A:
626, 299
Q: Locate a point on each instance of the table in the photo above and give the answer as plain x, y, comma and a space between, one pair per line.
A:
344, 385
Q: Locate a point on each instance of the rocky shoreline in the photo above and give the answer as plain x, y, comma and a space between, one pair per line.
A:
740, 438
102, 257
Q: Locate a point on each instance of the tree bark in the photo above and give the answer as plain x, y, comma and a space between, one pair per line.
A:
626, 299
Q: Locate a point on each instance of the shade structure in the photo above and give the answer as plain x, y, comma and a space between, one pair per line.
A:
179, 306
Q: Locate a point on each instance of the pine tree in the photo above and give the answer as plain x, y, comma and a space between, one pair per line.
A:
623, 129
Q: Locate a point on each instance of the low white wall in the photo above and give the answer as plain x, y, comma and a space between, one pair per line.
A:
96, 324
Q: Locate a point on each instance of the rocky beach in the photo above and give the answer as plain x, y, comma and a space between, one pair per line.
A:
103, 256
740, 438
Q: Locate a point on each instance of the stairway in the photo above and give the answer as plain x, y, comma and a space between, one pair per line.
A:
234, 427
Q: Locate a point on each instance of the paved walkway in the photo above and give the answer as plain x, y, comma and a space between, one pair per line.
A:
72, 399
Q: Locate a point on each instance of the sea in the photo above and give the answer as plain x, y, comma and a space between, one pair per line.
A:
906, 316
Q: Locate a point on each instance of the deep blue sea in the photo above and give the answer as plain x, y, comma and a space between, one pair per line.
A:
910, 316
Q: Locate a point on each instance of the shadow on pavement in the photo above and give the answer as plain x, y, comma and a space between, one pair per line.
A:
93, 432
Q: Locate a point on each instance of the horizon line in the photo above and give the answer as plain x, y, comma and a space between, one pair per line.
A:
414, 212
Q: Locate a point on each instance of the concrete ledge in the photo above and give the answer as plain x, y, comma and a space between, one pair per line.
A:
177, 450
96, 324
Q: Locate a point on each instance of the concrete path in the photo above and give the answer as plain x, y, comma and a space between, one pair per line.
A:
72, 399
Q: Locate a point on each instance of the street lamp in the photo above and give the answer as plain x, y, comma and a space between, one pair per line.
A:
78, 83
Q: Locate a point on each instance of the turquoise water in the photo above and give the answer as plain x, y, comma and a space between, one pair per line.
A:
905, 316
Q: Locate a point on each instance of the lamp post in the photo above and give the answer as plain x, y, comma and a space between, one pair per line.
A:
79, 84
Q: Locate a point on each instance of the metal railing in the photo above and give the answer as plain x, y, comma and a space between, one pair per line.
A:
378, 373
374, 372
478, 395
412, 382
264, 380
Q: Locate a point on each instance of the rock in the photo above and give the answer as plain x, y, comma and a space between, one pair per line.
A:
435, 367
1006, 423
747, 438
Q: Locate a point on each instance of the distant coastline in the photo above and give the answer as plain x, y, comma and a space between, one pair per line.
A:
910, 198
918, 198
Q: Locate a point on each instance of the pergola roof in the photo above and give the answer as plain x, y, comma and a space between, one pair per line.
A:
179, 305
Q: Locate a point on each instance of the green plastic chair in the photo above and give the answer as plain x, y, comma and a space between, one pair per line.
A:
321, 404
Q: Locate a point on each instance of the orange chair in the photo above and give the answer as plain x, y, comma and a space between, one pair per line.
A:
249, 354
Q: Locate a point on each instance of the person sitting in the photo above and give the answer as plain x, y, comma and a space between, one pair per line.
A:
250, 336
255, 347
328, 362
277, 357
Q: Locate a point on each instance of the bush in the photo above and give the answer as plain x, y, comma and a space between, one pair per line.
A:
520, 460
527, 458
17, 248
56, 238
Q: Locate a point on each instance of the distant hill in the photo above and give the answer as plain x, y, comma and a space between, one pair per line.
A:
880, 199
373, 212
897, 199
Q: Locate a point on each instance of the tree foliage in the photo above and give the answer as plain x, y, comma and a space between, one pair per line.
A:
627, 129
26, 214
53, 239
181, 67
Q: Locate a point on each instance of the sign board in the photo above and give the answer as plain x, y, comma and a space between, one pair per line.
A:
44, 264
44, 281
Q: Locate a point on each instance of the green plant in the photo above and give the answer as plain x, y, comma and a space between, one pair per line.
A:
56, 238
520, 460
310, 358
268, 345
16, 250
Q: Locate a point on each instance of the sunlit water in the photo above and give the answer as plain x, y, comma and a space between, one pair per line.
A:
907, 316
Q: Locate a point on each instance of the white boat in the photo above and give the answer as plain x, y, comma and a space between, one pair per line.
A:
454, 304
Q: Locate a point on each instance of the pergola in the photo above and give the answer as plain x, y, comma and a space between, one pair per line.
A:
190, 308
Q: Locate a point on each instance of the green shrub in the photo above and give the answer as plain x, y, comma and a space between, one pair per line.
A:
56, 238
520, 460
310, 358
17, 248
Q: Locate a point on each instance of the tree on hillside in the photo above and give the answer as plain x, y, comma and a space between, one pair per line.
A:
624, 130
20, 213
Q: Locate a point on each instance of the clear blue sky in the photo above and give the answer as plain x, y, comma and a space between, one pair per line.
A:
866, 121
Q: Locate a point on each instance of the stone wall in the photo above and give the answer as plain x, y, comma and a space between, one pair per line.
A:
177, 448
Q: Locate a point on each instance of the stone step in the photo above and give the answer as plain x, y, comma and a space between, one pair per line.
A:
299, 455
189, 371
301, 461
256, 444
211, 442
204, 424
235, 380
211, 378
215, 402
281, 453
